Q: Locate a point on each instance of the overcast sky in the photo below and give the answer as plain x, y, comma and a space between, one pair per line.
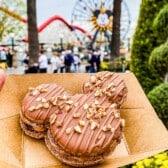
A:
64, 8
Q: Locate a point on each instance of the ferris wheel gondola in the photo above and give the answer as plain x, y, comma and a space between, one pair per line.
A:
96, 17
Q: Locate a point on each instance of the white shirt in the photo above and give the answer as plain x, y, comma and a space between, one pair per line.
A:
55, 62
43, 62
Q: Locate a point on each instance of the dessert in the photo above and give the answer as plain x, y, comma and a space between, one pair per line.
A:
37, 107
87, 127
96, 83
82, 129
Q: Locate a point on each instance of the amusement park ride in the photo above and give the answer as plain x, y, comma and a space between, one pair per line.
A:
91, 21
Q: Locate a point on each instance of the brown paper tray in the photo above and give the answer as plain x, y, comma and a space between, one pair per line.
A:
144, 134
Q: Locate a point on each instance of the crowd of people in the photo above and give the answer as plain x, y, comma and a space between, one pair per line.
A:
62, 62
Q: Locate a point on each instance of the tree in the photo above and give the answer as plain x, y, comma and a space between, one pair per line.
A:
158, 60
160, 24
32, 32
145, 40
115, 41
159, 100
9, 24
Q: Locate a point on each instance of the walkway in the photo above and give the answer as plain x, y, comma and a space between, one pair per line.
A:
20, 70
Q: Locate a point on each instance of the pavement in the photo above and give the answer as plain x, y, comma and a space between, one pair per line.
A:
20, 70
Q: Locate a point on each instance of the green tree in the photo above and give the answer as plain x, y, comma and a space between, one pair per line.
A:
158, 60
159, 100
9, 24
115, 41
160, 24
144, 41
32, 32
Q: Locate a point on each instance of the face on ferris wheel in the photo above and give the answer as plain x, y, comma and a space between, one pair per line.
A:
102, 20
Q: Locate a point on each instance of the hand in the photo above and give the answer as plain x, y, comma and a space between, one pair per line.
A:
2, 78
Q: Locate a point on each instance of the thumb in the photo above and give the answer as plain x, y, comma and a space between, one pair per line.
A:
2, 78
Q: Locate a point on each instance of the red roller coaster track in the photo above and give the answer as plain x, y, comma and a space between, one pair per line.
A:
46, 23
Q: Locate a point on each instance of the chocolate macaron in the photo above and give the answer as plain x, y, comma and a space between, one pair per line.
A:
37, 107
85, 130
106, 83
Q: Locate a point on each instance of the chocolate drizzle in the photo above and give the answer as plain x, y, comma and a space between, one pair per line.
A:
42, 114
88, 141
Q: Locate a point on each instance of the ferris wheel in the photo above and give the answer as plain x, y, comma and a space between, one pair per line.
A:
96, 17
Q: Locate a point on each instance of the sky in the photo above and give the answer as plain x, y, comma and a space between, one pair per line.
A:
64, 8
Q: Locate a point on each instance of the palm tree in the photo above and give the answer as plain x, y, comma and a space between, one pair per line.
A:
115, 41
32, 32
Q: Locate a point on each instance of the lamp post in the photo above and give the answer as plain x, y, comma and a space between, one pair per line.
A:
61, 41
12, 41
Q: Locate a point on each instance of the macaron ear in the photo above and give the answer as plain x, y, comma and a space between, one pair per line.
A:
2, 78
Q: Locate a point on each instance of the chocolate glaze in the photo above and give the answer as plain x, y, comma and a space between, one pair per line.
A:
102, 80
32, 99
88, 142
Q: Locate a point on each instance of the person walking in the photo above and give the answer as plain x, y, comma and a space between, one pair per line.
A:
55, 62
69, 60
62, 58
43, 62
9, 58
93, 62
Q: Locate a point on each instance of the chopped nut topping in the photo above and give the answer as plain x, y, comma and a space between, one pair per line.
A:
32, 108
102, 111
108, 94
86, 106
35, 92
122, 122
67, 108
93, 79
46, 105
96, 102
88, 116
112, 130
61, 107
54, 101
69, 102
107, 128
78, 129
42, 90
113, 89
39, 106
110, 85
87, 84
43, 100
38, 99
76, 115
76, 104
53, 117
114, 105
94, 125
98, 93
99, 83
116, 115
82, 123
65, 97
68, 130
99, 75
